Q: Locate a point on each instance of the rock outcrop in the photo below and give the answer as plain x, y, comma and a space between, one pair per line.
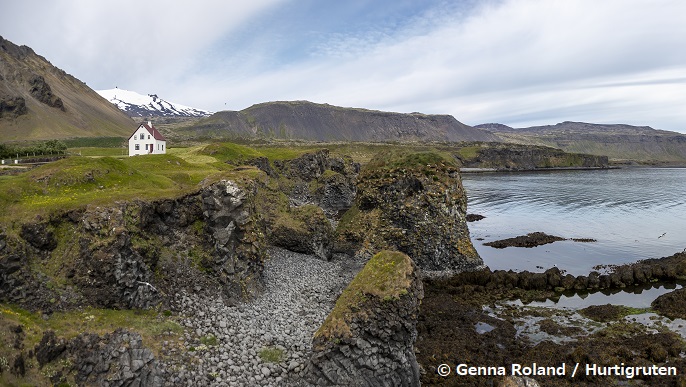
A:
414, 203
12, 107
230, 221
307, 194
41, 91
368, 339
116, 359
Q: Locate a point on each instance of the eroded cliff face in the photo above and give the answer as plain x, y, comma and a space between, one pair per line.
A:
368, 339
136, 254
303, 198
414, 203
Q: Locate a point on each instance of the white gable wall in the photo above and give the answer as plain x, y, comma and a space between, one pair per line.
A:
147, 144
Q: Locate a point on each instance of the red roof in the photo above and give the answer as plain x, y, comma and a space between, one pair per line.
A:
153, 132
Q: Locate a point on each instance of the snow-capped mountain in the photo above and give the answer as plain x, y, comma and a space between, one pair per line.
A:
138, 105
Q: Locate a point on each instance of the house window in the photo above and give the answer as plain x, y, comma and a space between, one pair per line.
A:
148, 137
138, 147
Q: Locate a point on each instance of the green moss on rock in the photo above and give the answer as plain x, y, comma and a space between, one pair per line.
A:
387, 276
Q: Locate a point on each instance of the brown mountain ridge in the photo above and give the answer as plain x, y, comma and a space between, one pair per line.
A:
39, 101
306, 120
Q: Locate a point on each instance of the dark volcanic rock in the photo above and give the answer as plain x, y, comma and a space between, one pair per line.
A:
336, 194
228, 213
370, 341
529, 240
262, 163
39, 236
474, 217
308, 166
49, 348
12, 107
41, 91
115, 275
508, 156
116, 359
319, 188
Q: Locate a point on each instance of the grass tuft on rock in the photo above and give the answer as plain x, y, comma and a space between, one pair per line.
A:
271, 355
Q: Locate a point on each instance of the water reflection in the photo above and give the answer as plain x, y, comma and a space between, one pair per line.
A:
626, 210
637, 297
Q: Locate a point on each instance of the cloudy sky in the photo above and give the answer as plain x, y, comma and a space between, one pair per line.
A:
517, 62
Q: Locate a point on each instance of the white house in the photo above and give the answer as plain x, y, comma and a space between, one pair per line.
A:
147, 140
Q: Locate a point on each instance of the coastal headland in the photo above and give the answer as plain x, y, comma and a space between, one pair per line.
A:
218, 264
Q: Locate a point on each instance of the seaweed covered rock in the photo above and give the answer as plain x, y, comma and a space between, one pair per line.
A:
672, 304
368, 338
414, 203
529, 240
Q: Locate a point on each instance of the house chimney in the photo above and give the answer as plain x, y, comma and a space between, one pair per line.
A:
150, 124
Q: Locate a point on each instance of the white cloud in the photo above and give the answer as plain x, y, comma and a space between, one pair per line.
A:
125, 40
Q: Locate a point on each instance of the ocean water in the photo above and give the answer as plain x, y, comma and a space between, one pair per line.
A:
633, 213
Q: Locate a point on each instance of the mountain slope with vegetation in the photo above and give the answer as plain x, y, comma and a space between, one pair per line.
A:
618, 142
38, 101
305, 120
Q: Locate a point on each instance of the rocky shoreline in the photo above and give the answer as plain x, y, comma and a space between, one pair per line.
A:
483, 317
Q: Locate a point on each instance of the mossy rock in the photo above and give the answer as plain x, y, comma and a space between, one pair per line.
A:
386, 277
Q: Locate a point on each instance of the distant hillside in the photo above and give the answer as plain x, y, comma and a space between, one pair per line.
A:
322, 122
510, 157
39, 101
138, 105
617, 141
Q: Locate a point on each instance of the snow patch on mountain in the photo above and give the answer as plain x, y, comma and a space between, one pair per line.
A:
138, 105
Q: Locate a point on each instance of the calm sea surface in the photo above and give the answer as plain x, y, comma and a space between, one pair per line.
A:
634, 213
